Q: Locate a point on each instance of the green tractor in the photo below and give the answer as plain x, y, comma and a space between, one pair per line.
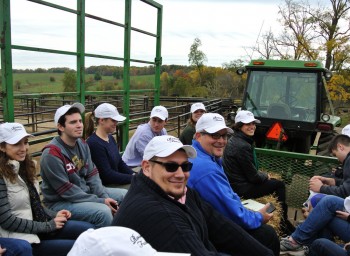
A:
292, 102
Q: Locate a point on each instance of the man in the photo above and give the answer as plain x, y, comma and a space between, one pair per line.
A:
340, 148
70, 178
144, 133
172, 217
209, 180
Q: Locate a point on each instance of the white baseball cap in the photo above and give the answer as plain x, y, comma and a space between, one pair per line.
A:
246, 117
197, 106
12, 133
106, 110
346, 130
111, 241
211, 123
63, 110
165, 145
159, 111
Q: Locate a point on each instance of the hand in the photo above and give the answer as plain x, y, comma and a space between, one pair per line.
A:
64, 213
2, 251
324, 180
342, 215
60, 221
112, 204
315, 185
268, 176
266, 216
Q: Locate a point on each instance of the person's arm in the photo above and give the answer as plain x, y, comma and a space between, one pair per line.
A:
54, 173
102, 159
216, 190
246, 161
142, 142
12, 223
228, 237
341, 191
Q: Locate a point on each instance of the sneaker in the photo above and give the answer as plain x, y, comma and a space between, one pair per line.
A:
289, 248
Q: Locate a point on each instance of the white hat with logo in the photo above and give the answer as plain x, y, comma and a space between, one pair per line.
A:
246, 117
64, 109
111, 241
196, 106
346, 130
160, 112
106, 110
165, 145
211, 123
12, 133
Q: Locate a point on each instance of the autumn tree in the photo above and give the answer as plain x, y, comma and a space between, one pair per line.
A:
197, 58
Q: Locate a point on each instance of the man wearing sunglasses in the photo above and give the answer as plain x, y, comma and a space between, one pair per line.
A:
172, 217
210, 181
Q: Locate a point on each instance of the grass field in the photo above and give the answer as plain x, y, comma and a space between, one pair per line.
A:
40, 82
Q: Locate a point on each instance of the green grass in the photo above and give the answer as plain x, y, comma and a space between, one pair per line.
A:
40, 82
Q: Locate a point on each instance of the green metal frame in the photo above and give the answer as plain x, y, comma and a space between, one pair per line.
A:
6, 46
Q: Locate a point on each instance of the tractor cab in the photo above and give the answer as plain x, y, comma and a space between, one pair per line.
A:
291, 100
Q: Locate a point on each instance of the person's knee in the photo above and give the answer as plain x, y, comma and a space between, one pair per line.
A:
102, 216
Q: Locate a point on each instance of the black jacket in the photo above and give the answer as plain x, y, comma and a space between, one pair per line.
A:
169, 226
238, 163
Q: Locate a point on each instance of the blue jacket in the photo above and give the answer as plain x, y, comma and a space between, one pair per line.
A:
207, 177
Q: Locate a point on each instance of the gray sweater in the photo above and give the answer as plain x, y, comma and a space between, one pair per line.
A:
75, 180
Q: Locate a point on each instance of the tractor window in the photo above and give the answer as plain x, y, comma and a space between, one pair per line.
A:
282, 95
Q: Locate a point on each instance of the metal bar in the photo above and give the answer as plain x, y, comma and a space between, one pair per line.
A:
38, 49
54, 6
143, 32
6, 61
126, 73
81, 51
158, 59
103, 56
104, 20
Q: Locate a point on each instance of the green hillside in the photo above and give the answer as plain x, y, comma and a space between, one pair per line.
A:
52, 82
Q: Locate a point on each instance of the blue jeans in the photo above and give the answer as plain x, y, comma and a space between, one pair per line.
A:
98, 214
16, 247
325, 247
322, 222
60, 242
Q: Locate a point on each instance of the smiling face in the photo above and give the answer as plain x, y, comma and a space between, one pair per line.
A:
16, 151
197, 114
172, 183
109, 125
249, 129
212, 146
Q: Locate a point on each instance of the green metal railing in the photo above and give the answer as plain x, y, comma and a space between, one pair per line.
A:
7, 93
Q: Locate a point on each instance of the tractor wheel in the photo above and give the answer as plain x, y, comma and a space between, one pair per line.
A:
325, 139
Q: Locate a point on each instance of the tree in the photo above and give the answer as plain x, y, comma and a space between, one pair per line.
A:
97, 76
197, 58
69, 81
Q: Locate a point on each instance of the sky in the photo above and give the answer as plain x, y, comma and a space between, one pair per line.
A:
227, 29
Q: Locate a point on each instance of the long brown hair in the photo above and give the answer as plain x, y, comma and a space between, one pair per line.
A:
26, 170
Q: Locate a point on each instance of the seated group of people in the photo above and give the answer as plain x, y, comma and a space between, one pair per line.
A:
194, 209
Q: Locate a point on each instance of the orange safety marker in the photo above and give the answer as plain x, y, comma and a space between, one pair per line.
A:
276, 132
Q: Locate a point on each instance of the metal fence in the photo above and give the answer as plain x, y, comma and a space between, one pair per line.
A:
296, 170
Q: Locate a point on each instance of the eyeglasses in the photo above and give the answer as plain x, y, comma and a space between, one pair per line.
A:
172, 167
216, 136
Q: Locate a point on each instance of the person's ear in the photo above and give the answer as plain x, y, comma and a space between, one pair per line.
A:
197, 135
146, 166
340, 147
60, 127
2, 148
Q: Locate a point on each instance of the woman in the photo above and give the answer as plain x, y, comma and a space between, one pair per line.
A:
104, 149
197, 110
242, 168
22, 215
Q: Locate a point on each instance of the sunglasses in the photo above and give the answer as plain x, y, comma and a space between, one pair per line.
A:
173, 167
216, 136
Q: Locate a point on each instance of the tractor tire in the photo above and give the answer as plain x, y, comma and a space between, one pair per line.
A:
325, 139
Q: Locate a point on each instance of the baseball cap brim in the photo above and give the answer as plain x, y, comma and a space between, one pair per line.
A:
18, 137
159, 116
248, 121
118, 118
